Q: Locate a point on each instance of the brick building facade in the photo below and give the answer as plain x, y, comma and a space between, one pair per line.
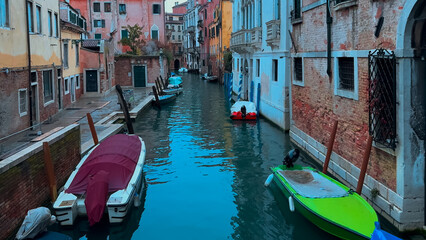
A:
369, 74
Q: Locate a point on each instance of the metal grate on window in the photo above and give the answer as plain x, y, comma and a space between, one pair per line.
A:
298, 71
346, 73
382, 97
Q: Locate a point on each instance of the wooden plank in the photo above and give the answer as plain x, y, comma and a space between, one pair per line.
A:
45, 135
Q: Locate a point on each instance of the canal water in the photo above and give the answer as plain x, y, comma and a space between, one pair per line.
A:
205, 176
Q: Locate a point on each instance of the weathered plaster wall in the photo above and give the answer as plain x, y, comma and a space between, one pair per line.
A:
124, 71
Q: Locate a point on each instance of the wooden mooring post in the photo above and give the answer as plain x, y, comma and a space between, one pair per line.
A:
364, 165
330, 147
123, 104
50, 171
92, 129
157, 99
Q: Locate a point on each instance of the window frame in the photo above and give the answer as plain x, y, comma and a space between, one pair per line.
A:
56, 25
274, 70
122, 8
77, 54
97, 34
127, 33
6, 24
159, 9
65, 56
105, 8
77, 81
50, 23
39, 19
296, 81
66, 85
30, 9
158, 34
52, 88
343, 92
258, 67
23, 113
101, 21
99, 7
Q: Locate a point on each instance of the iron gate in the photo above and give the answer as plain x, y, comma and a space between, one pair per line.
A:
382, 97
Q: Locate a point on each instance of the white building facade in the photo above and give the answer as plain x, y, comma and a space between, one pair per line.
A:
191, 46
260, 46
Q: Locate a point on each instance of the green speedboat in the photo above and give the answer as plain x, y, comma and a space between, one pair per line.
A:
325, 202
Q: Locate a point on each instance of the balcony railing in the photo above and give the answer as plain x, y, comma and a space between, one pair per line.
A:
190, 29
256, 38
273, 34
241, 41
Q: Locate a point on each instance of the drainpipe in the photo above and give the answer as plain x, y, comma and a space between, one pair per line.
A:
29, 66
329, 21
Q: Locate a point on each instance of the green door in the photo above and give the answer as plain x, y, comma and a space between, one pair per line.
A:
139, 76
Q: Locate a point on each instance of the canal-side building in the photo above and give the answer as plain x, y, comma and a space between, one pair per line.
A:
191, 45
260, 45
72, 32
180, 8
203, 35
174, 38
364, 66
30, 64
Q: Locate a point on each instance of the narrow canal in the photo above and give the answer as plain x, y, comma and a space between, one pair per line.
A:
205, 176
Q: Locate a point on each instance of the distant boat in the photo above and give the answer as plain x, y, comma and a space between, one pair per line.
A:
105, 181
325, 202
243, 110
175, 82
183, 70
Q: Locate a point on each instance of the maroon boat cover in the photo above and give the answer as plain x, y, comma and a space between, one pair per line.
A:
117, 155
97, 196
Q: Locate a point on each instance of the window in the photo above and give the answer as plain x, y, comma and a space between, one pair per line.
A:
99, 23
124, 34
98, 36
33, 77
170, 18
65, 61
56, 26
297, 12
22, 101
275, 70
77, 54
66, 85
346, 73
107, 7
30, 17
173, 37
298, 69
96, 7
38, 18
154, 34
180, 18
77, 81
257, 67
73, 17
179, 37
156, 9
277, 9
382, 97
4, 13
179, 28
47, 86
122, 8
49, 22
205, 13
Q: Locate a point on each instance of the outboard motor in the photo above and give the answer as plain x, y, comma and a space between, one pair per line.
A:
291, 157
243, 111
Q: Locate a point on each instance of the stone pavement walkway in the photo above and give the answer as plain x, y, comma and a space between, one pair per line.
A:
101, 108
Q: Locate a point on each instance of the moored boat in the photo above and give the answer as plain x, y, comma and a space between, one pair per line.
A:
105, 181
325, 202
243, 110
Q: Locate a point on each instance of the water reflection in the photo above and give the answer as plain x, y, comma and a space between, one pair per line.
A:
206, 173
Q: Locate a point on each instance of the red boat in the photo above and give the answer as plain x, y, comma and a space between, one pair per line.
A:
243, 110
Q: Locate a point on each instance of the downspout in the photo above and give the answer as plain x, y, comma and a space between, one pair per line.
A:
29, 66
329, 22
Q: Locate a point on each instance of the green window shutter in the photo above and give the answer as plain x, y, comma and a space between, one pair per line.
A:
98, 36
154, 34
124, 34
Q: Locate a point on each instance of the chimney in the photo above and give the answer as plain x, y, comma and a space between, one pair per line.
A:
176, 3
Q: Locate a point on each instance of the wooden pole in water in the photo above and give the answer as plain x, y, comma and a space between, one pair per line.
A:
164, 82
330, 147
157, 100
364, 165
158, 89
92, 129
160, 83
123, 104
50, 171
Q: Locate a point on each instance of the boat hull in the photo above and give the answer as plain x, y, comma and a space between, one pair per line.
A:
69, 206
320, 221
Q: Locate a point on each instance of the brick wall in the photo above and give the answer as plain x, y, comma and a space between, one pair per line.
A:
315, 105
25, 186
123, 66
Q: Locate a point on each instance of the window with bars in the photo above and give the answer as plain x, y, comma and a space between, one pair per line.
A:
382, 97
346, 73
298, 69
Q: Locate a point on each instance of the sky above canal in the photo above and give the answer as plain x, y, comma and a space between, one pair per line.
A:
170, 4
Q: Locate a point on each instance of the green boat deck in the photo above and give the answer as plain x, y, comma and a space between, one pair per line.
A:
349, 217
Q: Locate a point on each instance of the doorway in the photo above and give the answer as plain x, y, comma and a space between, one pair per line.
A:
139, 76
91, 80
177, 64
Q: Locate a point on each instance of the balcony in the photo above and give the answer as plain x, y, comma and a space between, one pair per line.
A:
256, 38
273, 34
200, 24
190, 29
241, 41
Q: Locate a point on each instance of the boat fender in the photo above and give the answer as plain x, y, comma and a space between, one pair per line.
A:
137, 201
269, 180
291, 203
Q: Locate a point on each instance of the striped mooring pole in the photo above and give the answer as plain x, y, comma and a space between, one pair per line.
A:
230, 86
240, 85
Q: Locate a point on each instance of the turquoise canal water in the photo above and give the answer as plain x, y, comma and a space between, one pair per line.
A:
205, 176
